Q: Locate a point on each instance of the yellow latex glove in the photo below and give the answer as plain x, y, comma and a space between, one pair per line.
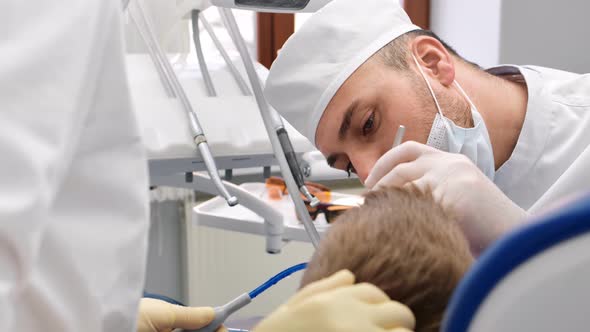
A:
160, 316
335, 304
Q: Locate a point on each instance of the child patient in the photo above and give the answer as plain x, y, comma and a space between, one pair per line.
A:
402, 242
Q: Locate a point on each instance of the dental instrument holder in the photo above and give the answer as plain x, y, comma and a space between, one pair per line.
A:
274, 224
195, 127
272, 122
278, 125
281, 132
284, 140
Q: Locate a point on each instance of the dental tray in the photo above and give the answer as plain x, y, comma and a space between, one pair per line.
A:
215, 213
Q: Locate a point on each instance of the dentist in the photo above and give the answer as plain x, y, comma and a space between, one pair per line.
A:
493, 145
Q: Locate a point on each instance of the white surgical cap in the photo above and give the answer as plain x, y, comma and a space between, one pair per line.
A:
333, 43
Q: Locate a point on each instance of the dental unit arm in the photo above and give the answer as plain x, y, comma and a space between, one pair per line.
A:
273, 124
173, 86
275, 119
278, 125
278, 6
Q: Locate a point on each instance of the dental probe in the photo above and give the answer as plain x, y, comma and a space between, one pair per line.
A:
399, 135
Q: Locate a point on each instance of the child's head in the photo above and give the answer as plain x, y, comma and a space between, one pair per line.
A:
402, 242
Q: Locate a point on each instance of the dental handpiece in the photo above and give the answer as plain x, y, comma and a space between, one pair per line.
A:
294, 166
201, 142
224, 311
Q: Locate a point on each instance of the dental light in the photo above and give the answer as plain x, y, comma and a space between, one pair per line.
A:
274, 6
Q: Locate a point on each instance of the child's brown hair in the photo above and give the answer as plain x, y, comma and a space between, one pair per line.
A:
402, 242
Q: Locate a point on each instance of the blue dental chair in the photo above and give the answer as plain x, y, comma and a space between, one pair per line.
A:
536, 279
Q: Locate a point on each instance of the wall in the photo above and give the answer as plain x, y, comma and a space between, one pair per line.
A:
541, 32
547, 33
471, 27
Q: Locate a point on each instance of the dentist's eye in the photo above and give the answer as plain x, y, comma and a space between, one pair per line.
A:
369, 124
350, 169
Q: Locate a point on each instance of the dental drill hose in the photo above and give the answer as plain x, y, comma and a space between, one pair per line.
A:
200, 56
294, 166
223, 312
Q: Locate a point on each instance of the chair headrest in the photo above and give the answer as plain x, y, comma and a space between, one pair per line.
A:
542, 232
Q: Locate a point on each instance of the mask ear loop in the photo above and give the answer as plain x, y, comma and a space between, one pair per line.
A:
460, 88
431, 91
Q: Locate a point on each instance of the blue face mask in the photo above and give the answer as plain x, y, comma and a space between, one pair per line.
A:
473, 142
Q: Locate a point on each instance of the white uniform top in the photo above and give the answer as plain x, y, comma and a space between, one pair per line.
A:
73, 176
551, 159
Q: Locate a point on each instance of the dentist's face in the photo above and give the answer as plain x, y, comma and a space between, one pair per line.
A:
361, 120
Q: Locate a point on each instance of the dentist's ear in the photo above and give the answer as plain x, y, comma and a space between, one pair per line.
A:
434, 59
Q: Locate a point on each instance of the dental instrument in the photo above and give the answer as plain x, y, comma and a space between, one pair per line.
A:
224, 311
196, 130
296, 170
399, 136
273, 124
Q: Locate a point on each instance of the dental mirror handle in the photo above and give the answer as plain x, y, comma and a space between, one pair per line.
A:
223, 312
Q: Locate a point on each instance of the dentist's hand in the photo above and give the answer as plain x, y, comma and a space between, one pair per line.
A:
160, 316
334, 304
482, 210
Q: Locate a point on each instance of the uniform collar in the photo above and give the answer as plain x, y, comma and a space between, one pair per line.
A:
535, 130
